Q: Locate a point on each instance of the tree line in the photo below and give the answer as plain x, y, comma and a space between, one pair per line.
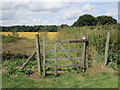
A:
89, 20
84, 20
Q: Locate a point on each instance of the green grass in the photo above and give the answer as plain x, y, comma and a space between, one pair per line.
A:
17, 82
69, 80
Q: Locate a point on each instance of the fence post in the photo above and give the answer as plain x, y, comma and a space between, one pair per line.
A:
55, 56
107, 47
87, 50
83, 60
38, 54
44, 56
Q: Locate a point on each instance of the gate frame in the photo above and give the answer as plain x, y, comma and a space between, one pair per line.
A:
83, 57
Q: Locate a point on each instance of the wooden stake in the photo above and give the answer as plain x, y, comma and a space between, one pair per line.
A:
38, 54
44, 56
55, 56
107, 47
83, 60
87, 50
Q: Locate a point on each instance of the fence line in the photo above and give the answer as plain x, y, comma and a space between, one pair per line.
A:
79, 67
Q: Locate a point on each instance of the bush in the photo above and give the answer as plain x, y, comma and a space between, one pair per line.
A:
10, 38
8, 55
114, 57
10, 67
113, 65
104, 20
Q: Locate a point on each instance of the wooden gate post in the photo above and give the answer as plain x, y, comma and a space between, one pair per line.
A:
38, 54
87, 50
44, 56
107, 47
83, 59
55, 56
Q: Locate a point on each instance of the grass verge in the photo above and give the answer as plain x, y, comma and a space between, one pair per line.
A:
69, 80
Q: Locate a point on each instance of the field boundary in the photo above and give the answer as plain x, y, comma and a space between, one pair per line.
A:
42, 51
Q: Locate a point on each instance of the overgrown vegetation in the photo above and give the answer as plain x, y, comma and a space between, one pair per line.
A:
96, 48
13, 67
10, 38
8, 55
29, 78
96, 45
97, 39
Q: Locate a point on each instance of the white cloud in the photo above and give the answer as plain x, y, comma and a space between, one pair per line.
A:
34, 6
30, 21
34, 21
75, 12
71, 14
13, 5
88, 7
112, 12
0, 22
20, 10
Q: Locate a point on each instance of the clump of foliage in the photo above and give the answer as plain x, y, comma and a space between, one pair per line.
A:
10, 38
106, 20
89, 20
113, 65
64, 26
8, 55
85, 20
12, 67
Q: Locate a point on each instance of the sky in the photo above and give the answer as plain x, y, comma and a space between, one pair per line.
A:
52, 13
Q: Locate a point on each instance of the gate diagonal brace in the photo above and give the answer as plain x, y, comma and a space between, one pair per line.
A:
62, 47
27, 61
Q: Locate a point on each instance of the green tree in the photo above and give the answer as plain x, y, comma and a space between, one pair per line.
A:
105, 20
64, 25
85, 20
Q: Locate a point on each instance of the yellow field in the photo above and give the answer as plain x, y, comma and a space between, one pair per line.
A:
31, 35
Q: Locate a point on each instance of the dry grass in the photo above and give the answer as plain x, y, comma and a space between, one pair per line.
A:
52, 35
22, 46
26, 46
31, 35
99, 68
